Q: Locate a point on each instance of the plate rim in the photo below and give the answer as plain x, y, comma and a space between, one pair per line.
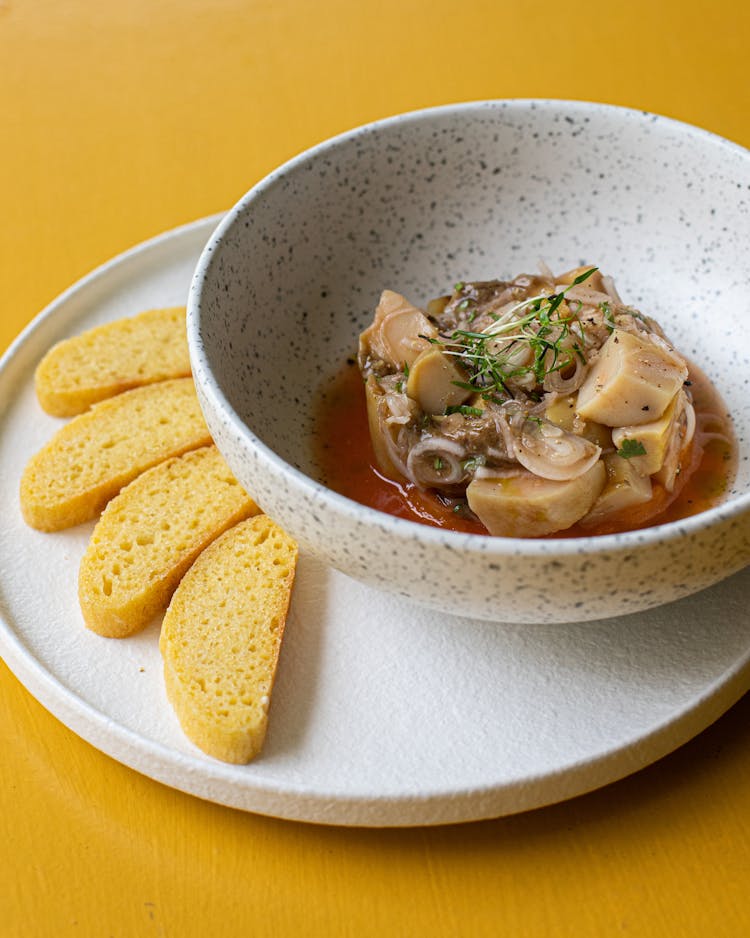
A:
297, 801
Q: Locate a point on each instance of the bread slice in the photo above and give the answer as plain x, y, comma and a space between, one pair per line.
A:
112, 358
150, 534
92, 457
221, 636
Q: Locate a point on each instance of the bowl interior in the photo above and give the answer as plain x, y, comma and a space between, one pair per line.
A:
474, 192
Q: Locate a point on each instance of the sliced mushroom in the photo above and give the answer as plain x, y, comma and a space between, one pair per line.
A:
598, 434
562, 412
653, 437
632, 381
680, 437
624, 488
383, 433
398, 333
528, 506
549, 451
433, 382
436, 307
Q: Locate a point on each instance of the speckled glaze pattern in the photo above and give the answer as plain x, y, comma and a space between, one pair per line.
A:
470, 192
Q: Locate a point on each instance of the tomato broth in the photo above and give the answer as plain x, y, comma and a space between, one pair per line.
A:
347, 463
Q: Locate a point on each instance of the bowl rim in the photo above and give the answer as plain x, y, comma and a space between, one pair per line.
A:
404, 528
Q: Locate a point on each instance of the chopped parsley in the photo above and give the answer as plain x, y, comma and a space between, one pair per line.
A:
631, 448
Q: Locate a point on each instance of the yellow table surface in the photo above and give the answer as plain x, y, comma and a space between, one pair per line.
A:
121, 120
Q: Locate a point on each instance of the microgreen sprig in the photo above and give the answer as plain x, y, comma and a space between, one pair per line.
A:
531, 338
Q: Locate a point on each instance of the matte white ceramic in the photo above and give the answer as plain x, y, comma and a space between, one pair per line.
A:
383, 713
472, 192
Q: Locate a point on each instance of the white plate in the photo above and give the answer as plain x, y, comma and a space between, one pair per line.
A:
383, 713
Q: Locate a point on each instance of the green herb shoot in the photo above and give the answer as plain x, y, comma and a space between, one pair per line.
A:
631, 448
609, 318
536, 337
465, 410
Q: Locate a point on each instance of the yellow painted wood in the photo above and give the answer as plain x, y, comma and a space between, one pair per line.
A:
118, 121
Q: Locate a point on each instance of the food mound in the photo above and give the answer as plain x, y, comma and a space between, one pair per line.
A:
533, 404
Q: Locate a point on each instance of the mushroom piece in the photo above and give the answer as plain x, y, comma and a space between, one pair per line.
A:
527, 506
384, 429
653, 437
680, 437
624, 488
436, 307
562, 412
548, 450
595, 281
397, 334
433, 382
632, 381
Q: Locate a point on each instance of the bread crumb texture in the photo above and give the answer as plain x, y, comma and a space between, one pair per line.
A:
93, 456
150, 534
113, 358
221, 637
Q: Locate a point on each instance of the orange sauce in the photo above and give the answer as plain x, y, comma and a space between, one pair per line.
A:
346, 459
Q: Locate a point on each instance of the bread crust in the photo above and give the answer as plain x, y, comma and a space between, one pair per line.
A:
112, 358
221, 637
150, 534
97, 453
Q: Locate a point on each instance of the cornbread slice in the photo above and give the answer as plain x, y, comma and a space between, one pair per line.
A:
150, 534
112, 358
221, 636
91, 458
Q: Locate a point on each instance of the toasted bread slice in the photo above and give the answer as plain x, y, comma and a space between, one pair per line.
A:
221, 636
113, 358
91, 458
150, 534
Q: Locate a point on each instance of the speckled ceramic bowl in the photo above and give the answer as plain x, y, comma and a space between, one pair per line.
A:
475, 191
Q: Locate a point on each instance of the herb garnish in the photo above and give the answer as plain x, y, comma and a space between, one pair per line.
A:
609, 318
631, 448
473, 462
465, 410
540, 329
